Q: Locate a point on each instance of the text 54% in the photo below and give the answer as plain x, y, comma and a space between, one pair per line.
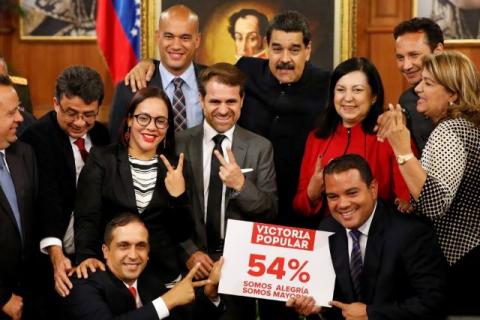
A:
257, 267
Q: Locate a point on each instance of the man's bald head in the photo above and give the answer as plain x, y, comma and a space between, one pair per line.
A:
180, 12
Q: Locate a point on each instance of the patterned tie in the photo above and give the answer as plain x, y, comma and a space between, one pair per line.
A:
214, 204
356, 265
80, 143
179, 108
9, 190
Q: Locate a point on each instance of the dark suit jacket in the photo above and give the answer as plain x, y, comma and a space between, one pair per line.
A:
122, 96
404, 270
258, 199
103, 296
15, 256
105, 189
284, 114
56, 166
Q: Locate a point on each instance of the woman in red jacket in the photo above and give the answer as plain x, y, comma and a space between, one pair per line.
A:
346, 126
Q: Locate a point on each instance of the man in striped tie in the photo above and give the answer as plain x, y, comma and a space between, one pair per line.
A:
388, 265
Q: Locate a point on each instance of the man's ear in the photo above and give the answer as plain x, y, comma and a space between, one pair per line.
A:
105, 251
439, 48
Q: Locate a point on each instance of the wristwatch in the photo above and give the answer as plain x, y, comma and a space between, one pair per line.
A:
402, 158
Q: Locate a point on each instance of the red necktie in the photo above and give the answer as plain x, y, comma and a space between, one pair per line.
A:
80, 143
133, 292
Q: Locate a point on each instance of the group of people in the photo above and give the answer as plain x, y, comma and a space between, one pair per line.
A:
194, 146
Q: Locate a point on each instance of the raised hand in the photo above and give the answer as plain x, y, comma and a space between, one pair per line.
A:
174, 181
230, 173
137, 77
211, 288
315, 186
184, 291
206, 264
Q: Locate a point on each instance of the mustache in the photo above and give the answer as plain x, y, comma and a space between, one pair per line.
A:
285, 66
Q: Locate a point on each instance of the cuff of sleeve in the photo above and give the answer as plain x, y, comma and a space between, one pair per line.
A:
161, 308
215, 301
180, 200
49, 241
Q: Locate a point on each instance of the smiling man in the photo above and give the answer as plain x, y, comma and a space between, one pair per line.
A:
121, 292
215, 153
387, 265
178, 38
414, 39
62, 139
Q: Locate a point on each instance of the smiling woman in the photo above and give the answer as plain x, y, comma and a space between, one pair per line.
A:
346, 126
142, 175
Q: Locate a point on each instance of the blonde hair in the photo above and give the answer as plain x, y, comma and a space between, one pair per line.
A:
457, 73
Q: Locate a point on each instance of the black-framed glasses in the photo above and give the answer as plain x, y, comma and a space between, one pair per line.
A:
88, 116
144, 120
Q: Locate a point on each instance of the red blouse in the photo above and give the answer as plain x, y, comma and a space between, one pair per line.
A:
378, 154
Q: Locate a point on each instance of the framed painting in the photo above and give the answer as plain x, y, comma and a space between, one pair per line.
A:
332, 23
458, 19
58, 20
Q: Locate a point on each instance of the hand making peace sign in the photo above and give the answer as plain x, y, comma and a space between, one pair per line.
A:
174, 180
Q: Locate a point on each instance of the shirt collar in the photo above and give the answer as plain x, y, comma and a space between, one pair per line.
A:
134, 285
188, 76
365, 227
209, 132
72, 140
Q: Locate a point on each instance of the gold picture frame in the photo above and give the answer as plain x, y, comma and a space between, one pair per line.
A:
342, 43
456, 30
72, 20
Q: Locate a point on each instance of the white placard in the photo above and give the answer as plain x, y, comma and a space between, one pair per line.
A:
276, 262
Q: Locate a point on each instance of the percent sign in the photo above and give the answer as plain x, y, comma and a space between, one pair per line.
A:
277, 267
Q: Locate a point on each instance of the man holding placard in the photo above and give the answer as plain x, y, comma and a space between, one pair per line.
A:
388, 265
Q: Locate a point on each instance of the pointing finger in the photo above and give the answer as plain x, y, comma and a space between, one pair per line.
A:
220, 158
192, 271
337, 304
231, 156
180, 162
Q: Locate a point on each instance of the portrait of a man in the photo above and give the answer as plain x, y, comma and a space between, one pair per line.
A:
247, 28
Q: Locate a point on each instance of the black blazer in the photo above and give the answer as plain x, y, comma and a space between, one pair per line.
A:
103, 296
122, 96
284, 114
15, 256
404, 274
56, 166
105, 189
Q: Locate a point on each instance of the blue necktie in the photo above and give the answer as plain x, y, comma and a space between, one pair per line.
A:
356, 264
9, 190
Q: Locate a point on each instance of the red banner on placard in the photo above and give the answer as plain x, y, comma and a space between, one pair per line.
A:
280, 236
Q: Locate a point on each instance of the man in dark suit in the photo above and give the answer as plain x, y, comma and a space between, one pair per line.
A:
177, 37
62, 139
232, 174
414, 39
18, 189
388, 265
122, 292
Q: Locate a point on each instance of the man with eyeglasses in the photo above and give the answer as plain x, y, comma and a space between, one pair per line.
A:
62, 139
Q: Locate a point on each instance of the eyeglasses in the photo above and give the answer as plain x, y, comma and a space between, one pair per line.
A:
144, 120
88, 116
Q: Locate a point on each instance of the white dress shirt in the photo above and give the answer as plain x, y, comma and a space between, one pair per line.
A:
364, 229
190, 92
207, 147
68, 237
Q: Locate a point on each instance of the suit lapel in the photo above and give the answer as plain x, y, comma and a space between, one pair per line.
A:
195, 156
341, 264
126, 176
373, 253
239, 149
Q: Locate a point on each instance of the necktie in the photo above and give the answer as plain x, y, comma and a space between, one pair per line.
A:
214, 204
356, 264
80, 143
133, 292
9, 190
179, 107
